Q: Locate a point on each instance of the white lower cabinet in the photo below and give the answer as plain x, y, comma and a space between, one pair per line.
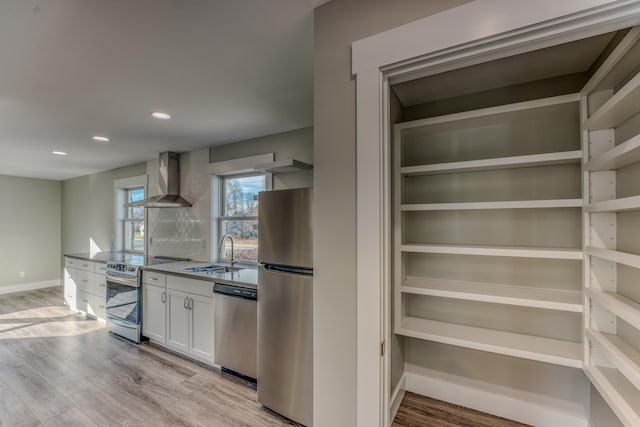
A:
154, 314
179, 315
178, 320
201, 327
85, 287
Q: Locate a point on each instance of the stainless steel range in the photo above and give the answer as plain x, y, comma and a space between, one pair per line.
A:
124, 317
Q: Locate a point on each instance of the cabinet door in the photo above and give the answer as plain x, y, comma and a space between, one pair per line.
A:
177, 320
86, 304
70, 287
100, 285
154, 312
84, 281
201, 327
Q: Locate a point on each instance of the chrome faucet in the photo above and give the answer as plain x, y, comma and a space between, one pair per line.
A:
221, 245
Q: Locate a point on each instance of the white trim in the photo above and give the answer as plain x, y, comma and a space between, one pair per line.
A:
481, 24
484, 30
29, 286
240, 165
371, 286
500, 401
133, 181
118, 208
397, 396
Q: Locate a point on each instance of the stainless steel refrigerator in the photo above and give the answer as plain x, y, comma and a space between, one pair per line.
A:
285, 296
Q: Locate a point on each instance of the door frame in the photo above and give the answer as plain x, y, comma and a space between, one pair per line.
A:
483, 30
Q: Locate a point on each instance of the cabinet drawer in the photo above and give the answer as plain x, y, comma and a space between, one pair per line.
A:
192, 286
84, 265
153, 278
100, 285
84, 281
70, 262
99, 268
100, 305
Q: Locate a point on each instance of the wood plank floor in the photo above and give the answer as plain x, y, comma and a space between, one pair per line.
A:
420, 411
58, 368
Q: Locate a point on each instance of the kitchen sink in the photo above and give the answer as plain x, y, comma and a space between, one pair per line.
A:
213, 269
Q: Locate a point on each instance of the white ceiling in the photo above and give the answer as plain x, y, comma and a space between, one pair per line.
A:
71, 69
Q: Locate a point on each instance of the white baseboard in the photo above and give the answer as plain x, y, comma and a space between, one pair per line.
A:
396, 397
29, 286
510, 406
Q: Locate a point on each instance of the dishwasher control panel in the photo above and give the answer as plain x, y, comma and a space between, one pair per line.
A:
235, 291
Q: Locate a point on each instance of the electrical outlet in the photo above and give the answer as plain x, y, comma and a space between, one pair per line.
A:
21, 274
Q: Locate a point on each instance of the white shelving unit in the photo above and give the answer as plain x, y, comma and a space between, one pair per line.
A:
610, 106
430, 177
551, 299
518, 345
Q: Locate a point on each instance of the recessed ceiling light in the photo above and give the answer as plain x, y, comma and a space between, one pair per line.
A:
161, 115
59, 153
100, 138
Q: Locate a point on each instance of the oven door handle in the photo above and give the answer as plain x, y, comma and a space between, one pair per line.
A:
121, 323
120, 281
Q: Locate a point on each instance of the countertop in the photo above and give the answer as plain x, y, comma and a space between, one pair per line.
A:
248, 276
98, 256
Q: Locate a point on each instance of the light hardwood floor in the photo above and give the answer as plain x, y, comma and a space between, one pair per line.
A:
58, 368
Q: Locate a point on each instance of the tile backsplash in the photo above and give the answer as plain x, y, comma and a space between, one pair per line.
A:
183, 232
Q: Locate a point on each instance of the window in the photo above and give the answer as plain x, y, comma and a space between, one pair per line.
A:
133, 221
239, 215
130, 224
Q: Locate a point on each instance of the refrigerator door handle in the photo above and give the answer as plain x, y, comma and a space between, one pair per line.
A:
286, 269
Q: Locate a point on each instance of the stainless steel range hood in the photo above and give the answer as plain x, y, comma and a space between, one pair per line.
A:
169, 181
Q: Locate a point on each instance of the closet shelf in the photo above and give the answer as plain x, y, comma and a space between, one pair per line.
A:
622, 355
616, 205
625, 258
509, 112
617, 304
551, 299
618, 392
618, 157
506, 251
532, 160
511, 204
548, 350
621, 106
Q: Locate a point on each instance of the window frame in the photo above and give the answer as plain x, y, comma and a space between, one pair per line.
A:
220, 217
121, 188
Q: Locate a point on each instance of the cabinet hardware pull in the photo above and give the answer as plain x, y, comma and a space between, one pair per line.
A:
164, 297
186, 303
190, 303
153, 278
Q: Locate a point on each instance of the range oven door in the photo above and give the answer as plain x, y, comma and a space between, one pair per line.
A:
123, 308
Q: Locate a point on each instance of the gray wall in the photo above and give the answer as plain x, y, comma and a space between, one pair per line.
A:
30, 230
338, 24
88, 210
296, 144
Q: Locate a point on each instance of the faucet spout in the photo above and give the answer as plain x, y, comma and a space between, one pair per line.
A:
221, 246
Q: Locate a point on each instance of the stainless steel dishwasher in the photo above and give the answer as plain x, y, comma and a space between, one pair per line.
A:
235, 329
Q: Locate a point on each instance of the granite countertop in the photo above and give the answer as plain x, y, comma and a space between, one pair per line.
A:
247, 276
98, 256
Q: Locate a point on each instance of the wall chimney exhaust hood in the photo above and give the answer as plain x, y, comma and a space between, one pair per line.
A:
169, 181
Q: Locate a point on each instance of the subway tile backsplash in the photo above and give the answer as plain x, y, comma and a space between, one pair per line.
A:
183, 232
